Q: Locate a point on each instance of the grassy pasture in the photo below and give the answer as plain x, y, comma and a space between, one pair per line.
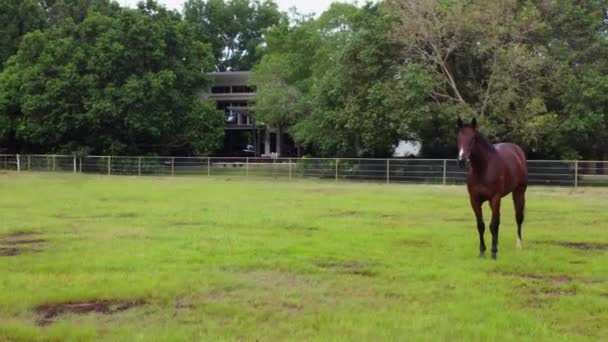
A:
189, 259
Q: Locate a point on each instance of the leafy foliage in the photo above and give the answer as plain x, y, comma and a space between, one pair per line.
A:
124, 83
87, 75
532, 72
17, 17
505, 62
234, 28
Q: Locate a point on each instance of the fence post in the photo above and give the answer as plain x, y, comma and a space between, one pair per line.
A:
109, 165
80, 164
139, 166
337, 169
29, 164
172, 166
18, 164
208, 166
445, 167
289, 162
54, 162
247, 167
74, 159
575, 174
388, 171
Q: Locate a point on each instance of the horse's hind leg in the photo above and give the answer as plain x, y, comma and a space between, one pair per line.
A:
481, 227
519, 202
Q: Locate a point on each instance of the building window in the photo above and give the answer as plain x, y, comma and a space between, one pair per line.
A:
220, 90
243, 89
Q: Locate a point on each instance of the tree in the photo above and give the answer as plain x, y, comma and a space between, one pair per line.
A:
577, 40
355, 110
59, 10
488, 61
338, 81
124, 83
532, 72
339, 76
17, 17
235, 28
282, 77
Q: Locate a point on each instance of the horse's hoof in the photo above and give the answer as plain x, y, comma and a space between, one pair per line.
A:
482, 254
494, 256
518, 244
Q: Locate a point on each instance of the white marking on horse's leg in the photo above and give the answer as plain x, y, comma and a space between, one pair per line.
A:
518, 243
460, 154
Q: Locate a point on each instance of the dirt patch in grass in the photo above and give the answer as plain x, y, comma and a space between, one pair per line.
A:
538, 296
22, 242
126, 215
278, 279
460, 219
183, 304
582, 246
412, 243
49, 312
18, 235
393, 296
98, 216
555, 279
348, 267
9, 251
178, 224
16, 243
62, 215
577, 262
260, 290
354, 213
388, 215
326, 190
301, 227
346, 213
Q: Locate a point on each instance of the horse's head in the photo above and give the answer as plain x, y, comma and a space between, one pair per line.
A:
467, 136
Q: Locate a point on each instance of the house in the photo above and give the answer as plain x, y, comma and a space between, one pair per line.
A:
244, 136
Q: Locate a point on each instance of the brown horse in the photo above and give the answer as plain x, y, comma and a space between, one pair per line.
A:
494, 171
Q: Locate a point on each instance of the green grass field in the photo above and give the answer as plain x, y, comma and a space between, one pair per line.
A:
191, 259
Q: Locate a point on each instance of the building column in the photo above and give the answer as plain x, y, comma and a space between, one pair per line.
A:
267, 141
279, 142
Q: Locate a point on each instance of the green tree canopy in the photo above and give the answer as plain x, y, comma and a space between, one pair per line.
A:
235, 28
328, 78
506, 62
123, 83
18, 17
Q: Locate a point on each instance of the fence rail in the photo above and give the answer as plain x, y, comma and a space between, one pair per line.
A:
438, 171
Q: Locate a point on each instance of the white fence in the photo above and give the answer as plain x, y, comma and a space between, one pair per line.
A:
439, 171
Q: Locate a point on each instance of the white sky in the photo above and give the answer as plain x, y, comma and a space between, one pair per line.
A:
303, 6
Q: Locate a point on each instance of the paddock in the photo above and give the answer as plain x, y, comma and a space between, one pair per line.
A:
98, 257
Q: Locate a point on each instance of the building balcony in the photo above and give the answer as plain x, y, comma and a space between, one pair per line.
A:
231, 97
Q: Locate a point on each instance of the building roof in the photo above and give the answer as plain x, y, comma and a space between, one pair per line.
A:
230, 78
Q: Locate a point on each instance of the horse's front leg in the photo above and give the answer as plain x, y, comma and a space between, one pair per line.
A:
481, 226
495, 205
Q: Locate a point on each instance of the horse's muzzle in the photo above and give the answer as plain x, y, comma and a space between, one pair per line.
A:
463, 163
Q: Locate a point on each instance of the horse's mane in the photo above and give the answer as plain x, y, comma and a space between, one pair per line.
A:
482, 140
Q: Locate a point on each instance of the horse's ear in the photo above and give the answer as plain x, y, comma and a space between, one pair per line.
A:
460, 123
474, 123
